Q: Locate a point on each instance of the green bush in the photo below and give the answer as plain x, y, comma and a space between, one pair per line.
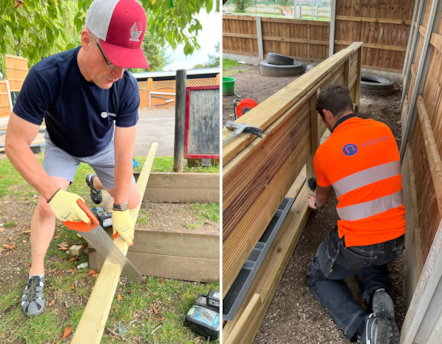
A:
241, 5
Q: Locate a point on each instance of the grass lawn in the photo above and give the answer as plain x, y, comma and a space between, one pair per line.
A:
67, 289
165, 164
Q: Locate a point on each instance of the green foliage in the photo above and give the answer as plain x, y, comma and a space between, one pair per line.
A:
39, 29
241, 5
229, 64
209, 211
213, 58
155, 55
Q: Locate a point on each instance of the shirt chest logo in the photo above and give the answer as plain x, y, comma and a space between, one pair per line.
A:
106, 114
350, 149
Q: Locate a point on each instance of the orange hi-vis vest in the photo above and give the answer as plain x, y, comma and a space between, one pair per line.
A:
361, 161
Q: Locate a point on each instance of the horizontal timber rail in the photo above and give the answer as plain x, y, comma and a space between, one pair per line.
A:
258, 173
94, 318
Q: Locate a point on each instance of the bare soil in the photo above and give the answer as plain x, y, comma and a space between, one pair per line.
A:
177, 215
294, 316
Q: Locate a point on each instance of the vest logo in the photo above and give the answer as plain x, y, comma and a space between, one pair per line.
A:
105, 114
350, 149
135, 32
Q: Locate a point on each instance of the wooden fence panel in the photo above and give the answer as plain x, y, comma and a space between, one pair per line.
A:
384, 28
16, 71
5, 107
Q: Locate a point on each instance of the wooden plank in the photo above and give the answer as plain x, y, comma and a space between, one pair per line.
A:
175, 242
283, 100
390, 70
294, 40
236, 52
374, 20
239, 17
436, 41
239, 35
434, 159
91, 326
375, 46
414, 208
358, 80
422, 31
315, 129
176, 267
240, 332
182, 187
295, 21
272, 268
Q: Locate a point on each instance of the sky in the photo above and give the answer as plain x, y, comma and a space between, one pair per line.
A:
207, 38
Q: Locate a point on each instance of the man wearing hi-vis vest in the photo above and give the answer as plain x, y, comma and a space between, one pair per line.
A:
361, 162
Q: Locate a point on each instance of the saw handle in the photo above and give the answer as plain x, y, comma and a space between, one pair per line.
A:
80, 226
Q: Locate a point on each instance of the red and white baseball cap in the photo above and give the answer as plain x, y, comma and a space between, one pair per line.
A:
120, 26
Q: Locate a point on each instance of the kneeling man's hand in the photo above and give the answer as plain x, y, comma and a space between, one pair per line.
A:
122, 224
65, 208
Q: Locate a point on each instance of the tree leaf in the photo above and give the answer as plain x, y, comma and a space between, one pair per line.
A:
9, 246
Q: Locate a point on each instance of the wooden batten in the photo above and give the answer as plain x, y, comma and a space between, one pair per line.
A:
176, 253
182, 187
93, 321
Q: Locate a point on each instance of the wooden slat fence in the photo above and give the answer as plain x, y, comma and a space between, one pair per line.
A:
16, 71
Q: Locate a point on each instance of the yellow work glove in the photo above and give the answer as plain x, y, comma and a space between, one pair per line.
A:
122, 224
65, 208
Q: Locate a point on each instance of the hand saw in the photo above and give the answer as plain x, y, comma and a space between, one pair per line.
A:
96, 236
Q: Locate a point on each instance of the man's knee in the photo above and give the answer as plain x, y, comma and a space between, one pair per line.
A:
43, 209
314, 273
134, 197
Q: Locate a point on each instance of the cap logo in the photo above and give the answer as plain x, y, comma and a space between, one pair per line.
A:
135, 31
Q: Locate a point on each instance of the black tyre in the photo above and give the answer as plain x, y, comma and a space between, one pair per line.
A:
278, 59
266, 69
376, 85
310, 66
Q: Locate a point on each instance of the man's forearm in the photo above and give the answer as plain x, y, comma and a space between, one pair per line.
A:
323, 195
123, 177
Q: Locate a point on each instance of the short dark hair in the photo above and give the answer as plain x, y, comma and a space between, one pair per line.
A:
334, 98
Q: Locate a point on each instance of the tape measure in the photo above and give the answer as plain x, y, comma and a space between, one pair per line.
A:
243, 106
203, 317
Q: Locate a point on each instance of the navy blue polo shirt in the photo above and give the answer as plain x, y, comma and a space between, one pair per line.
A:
79, 115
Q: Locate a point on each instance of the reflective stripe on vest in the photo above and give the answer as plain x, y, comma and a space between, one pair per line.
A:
366, 177
366, 209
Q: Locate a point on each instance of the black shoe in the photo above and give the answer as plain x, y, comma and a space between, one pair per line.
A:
377, 330
95, 194
383, 307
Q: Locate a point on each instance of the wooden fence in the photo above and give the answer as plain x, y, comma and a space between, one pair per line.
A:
259, 173
5, 99
167, 86
422, 172
307, 40
16, 71
383, 27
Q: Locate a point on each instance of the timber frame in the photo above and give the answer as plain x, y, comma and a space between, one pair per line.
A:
259, 173
94, 318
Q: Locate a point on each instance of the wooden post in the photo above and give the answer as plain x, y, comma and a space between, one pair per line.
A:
218, 79
331, 46
314, 134
358, 80
421, 74
149, 84
94, 318
347, 73
410, 35
259, 33
180, 120
413, 48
